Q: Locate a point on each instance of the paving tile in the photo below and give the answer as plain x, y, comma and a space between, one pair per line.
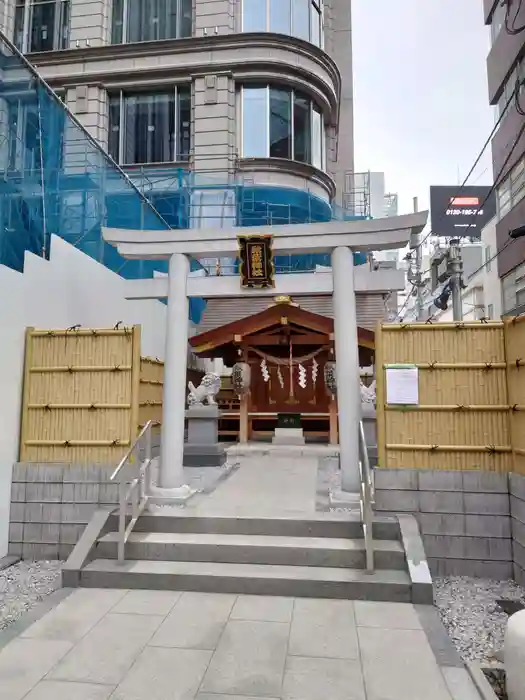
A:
324, 628
266, 608
147, 602
249, 660
403, 679
75, 616
106, 653
307, 678
24, 662
396, 645
164, 674
386, 615
196, 622
65, 690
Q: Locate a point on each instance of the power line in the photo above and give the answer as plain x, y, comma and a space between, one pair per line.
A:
406, 301
496, 255
480, 155
496, 182
502, 169
509, 27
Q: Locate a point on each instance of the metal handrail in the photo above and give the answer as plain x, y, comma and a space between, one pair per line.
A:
128, 454
366, 499
135, 488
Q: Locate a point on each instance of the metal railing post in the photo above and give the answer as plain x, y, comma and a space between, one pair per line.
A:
136, 493
148, 458
366, 499
121, 519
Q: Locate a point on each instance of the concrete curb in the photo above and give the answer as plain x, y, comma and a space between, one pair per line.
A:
480, 681
422, 589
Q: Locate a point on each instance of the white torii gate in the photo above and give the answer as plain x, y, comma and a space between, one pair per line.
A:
338, 238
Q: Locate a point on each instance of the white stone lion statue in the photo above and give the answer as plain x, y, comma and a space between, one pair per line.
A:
368, 393
206, 391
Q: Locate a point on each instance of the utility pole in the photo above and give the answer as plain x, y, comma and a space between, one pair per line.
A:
415, 244
456, 269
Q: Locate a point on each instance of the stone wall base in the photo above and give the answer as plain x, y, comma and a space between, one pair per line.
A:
472, 522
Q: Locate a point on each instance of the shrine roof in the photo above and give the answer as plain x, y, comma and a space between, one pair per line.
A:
278, 315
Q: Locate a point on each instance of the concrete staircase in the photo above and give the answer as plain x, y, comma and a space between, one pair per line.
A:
322, 555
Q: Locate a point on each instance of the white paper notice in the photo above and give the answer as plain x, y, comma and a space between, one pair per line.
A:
402, 385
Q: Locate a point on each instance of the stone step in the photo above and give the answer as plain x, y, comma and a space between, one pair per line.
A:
253, 549
254, 579
338, 525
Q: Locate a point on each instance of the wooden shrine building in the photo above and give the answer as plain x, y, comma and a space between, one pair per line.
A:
287, 348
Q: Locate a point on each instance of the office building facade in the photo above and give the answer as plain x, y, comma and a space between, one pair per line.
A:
505, 70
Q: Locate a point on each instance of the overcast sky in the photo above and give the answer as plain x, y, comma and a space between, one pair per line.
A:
421, 107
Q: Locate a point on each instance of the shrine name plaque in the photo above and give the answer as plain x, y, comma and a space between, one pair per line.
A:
256, 256
289, 420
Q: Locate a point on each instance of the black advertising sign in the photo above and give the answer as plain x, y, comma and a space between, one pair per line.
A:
460, 211
256, 255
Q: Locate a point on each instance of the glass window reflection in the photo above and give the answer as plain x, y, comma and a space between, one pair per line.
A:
302, 130
150, 127
300, 18
254, 16
278, 122
255, 122
280, 16
317, 139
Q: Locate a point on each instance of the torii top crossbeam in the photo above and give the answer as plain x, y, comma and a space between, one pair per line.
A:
359, 235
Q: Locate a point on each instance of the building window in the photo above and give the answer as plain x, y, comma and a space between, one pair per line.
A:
278, 122
300, 18
41, 25
488, 258
24, 137
150, 20
490, 311
26, 153
150, 127
511, 190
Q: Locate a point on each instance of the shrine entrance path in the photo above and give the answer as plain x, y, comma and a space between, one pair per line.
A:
264, 485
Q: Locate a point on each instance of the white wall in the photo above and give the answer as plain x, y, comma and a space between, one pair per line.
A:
69, 289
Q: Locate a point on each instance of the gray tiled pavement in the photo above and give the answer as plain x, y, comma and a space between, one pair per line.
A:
264, 485
163, 645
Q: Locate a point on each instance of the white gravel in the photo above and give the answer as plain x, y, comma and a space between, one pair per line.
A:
24, 585
470, 615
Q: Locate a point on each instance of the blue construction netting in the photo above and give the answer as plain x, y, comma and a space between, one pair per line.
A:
56, 179
187, 199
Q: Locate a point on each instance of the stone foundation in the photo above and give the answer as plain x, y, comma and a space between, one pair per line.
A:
517, 512
51, 505
472, 523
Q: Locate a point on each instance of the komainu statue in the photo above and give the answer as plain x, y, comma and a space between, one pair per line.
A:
206, 391
368, 393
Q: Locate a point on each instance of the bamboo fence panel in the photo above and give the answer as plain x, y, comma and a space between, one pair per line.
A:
463, 420
515, 348
150, 394
80, 395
